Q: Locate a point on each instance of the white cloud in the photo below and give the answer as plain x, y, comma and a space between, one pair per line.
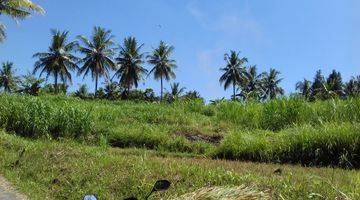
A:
232, 27
230, 23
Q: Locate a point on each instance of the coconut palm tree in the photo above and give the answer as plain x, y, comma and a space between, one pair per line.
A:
334, 83
233, 71
99, 51
82, 92
304, 87
31, 85
251, 86
8, 81
112, 90
352, 88
59, 60
18, 10
270, 84
176, 90
130, 62
163, 65
317, 87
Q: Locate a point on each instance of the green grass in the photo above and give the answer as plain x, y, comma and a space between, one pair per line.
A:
289, 130
117, 173
328, 145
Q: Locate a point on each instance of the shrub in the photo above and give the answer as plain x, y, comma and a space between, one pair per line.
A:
32, 117
329, 145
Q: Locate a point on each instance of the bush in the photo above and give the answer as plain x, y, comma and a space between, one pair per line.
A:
32, 117
288, 112
329, 145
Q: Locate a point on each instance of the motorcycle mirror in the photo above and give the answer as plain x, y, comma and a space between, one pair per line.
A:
161, 185
90, 197
131, 198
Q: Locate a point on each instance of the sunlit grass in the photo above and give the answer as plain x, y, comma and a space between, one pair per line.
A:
68, 170
288, 130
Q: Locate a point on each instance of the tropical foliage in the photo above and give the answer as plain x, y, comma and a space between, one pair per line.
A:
8, 80
17, 10
131, 64
163, 65
59, 60
271, 83
98, 52
233, 72
252, 85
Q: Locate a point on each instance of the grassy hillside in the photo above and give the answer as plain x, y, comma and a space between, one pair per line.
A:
287, 130
68, 170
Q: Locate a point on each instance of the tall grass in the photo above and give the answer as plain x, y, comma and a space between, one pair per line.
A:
328, 145
283, 130
32, 117
287, 112
56, 170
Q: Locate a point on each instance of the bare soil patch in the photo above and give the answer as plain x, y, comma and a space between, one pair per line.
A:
195, 136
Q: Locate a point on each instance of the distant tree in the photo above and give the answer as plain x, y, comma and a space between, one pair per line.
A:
176, 90
270, 84
130, 63
18, 10
31, 85
304, 87
334, 83
51, 89
112, 90
99, 51
217, 101
149, 95
352, 88
191, 95
163, 65
82, 92
233, 71
251, 84
59, 60
317, 87
8, 80
100, 94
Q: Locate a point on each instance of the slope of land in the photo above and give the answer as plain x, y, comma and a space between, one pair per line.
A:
290, 130
58, 170
55, 147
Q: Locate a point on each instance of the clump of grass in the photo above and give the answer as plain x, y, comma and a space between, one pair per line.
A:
283, 113
154, 137
32, 117
330, 144
225, 193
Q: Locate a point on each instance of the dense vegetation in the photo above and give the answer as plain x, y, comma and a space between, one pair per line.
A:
79, 133
57, 170
289, 130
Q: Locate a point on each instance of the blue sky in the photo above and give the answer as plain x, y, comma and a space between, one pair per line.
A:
295, 37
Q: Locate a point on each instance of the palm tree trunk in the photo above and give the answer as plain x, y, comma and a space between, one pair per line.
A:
56, 83
128, 89
96, 83
161, 97
234, 91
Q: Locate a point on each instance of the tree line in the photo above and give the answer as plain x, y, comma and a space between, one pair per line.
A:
329, 88
246, 82
249, 85
98, 61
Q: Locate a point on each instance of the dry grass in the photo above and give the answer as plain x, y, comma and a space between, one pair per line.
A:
225, 193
